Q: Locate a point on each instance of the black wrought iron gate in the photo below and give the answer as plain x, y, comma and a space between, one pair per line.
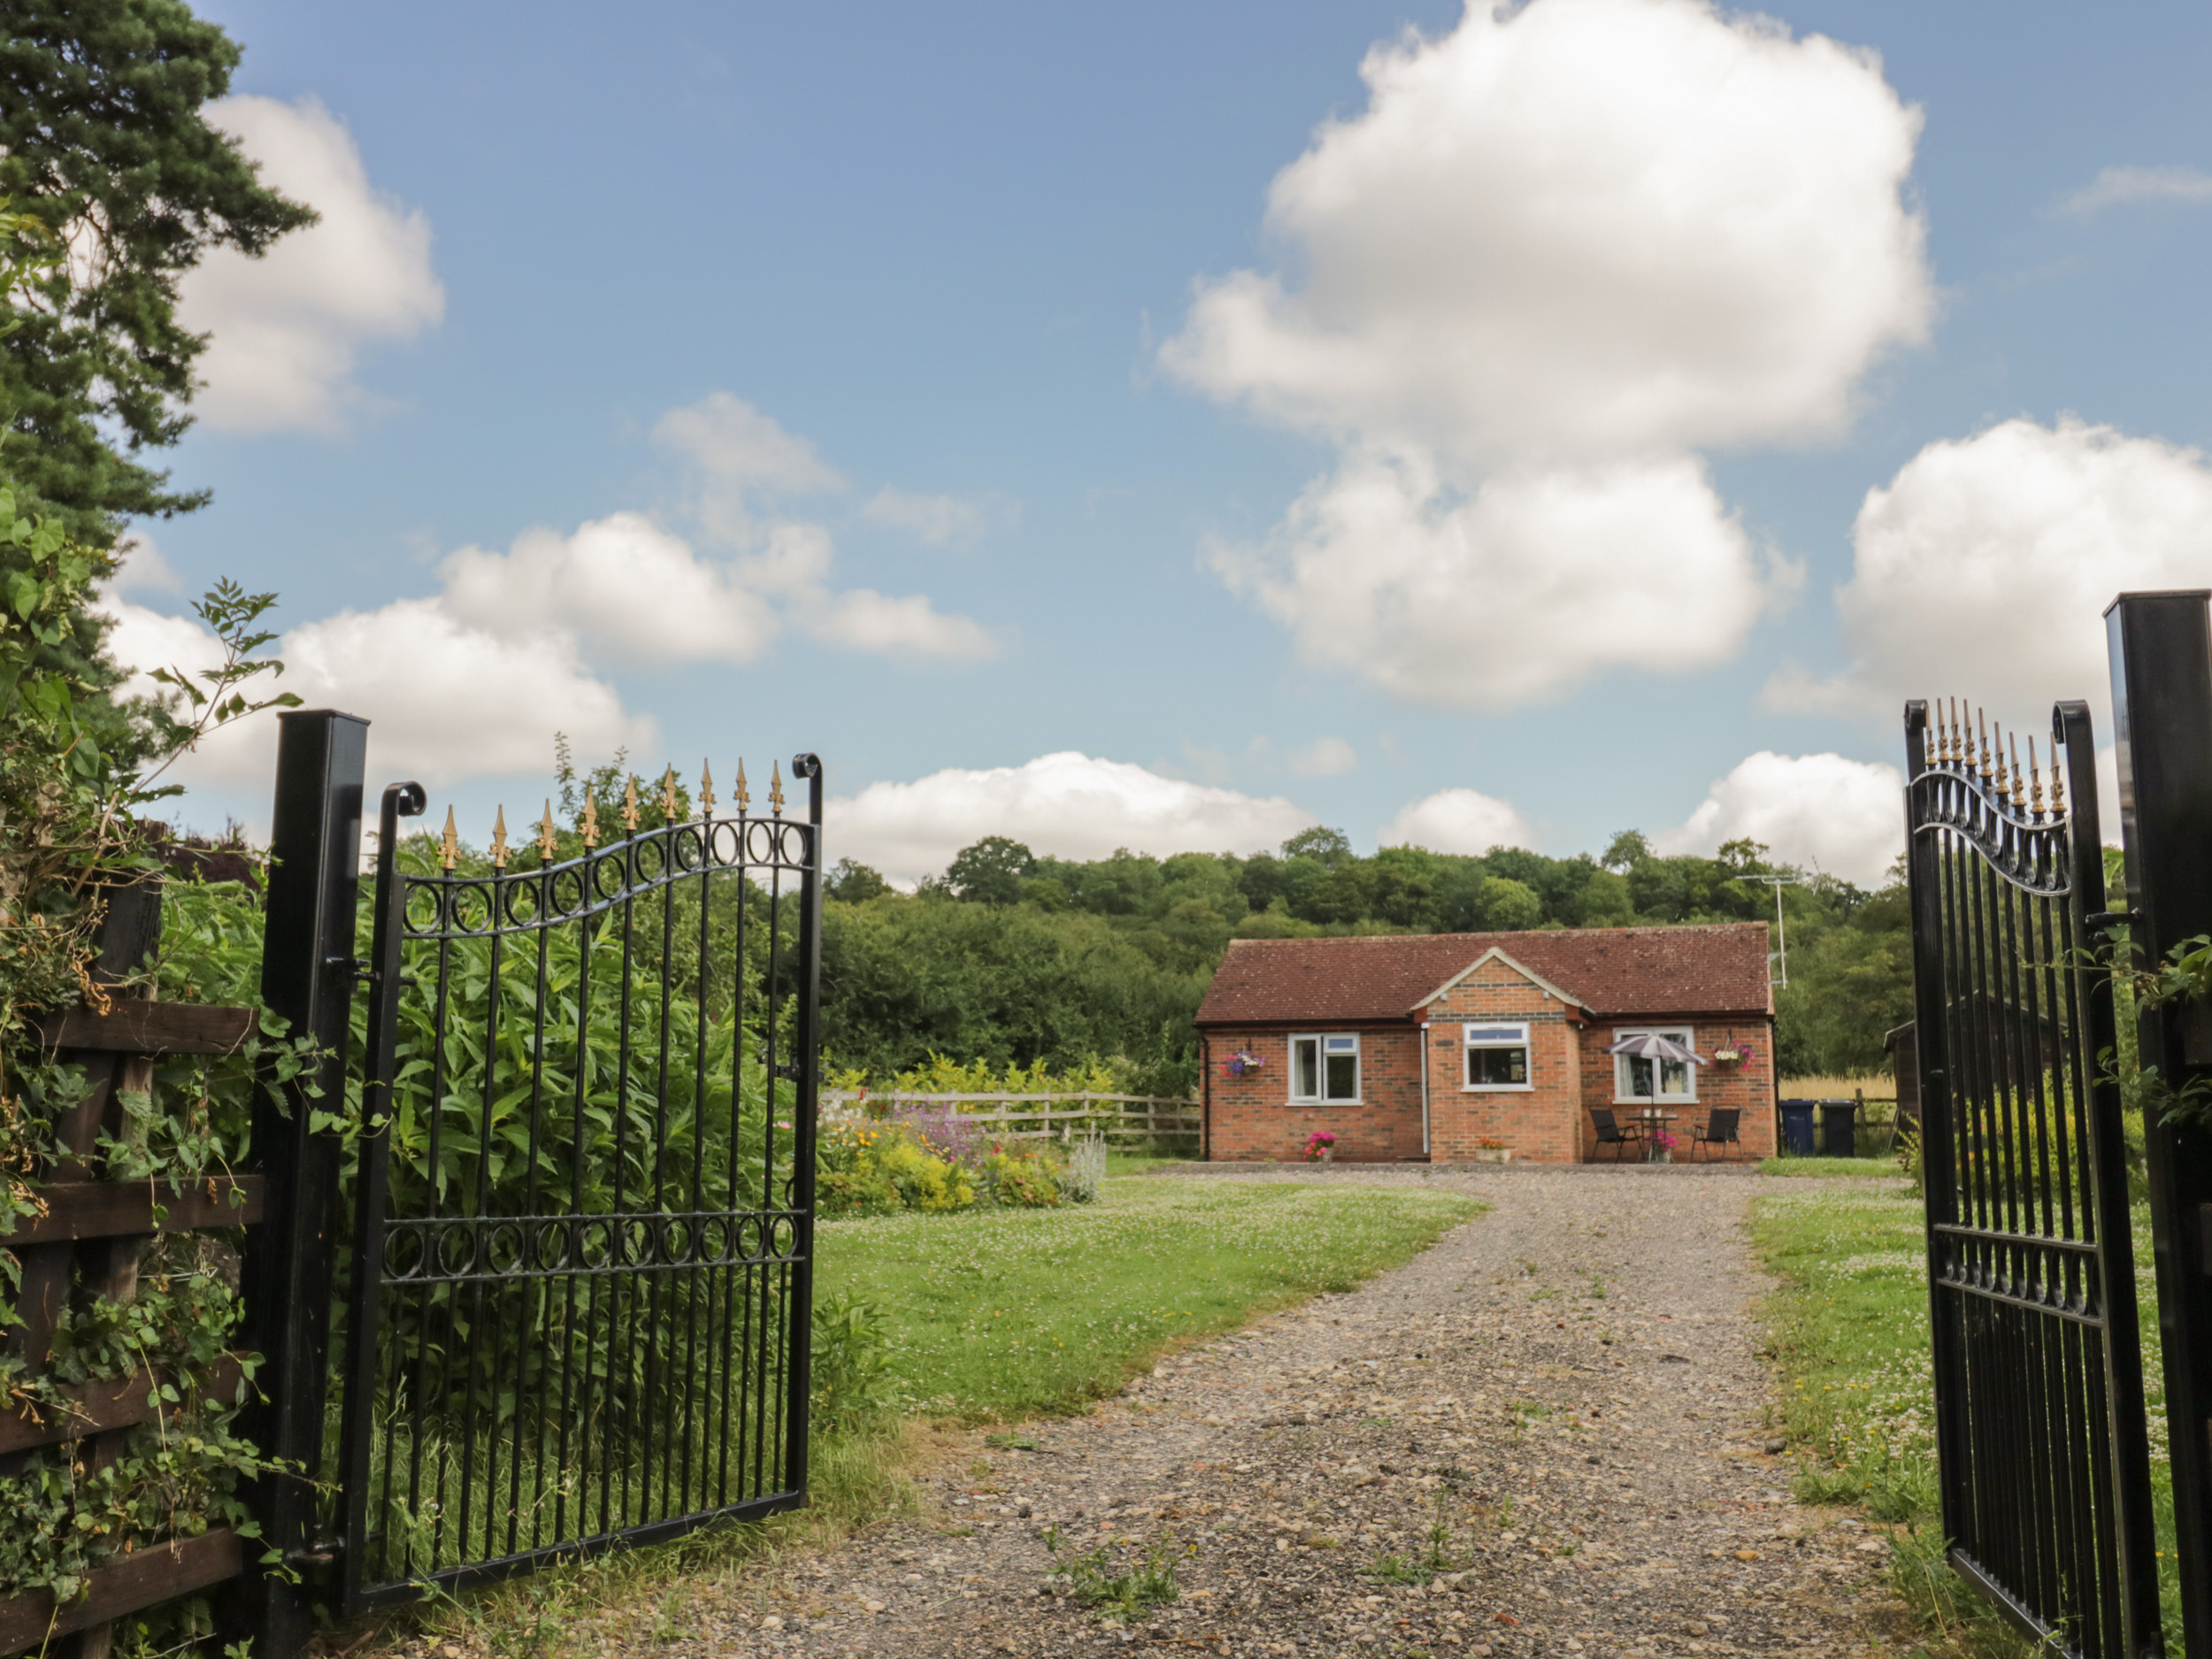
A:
579, 1303
2038, 1383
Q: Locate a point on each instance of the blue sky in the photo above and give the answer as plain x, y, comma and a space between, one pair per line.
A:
939, 253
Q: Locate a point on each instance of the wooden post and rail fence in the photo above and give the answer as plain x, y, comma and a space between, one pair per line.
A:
1163, 1117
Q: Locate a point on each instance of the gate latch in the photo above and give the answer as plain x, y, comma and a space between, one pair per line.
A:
355, 968
2113, 918
788, 1072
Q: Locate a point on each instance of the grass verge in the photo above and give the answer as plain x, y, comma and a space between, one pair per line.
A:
1013, 1313
993, 1314
1848, 1329
1829, 1169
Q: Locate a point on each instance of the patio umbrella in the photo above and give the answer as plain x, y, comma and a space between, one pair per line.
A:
1650, 1045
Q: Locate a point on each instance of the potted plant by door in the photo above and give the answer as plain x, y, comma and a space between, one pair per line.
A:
1663, 1146
1320, 1147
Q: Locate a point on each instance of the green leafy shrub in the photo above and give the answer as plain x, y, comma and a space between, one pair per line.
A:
851, 1363
1024, 1178
875, 1169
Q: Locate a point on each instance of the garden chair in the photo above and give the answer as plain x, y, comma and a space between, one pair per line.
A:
1720, 1130
1611, 1134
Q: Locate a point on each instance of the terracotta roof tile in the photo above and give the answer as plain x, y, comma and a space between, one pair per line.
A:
1613, 972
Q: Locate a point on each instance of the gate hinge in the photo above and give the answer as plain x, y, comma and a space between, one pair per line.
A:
2113, 918
320, 1554
355, 968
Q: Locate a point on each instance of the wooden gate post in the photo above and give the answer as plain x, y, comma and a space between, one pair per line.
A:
307, 976
2160, 646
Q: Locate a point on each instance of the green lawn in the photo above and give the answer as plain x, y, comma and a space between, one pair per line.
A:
1819, 1169
1850, 1333
1009, 1312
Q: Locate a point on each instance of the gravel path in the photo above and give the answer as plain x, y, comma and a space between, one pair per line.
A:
1554, 1418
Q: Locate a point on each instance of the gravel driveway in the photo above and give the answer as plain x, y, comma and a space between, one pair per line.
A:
1551, 1424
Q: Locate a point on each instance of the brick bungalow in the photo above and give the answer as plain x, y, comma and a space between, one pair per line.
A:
1416, 1048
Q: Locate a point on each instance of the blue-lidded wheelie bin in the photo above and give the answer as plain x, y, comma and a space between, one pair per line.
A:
1797, 1129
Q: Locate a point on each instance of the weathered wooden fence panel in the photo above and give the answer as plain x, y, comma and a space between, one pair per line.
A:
1039, 1116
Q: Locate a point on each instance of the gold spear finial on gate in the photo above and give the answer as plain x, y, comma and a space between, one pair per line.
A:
706, 790
2019, 778
499, 837
2058, 784
1951, 733
1998, 776
668, 794
591, 821
744, 800
449, 847
629, 804
546, 845
2035, 779
775, 786
1982, 720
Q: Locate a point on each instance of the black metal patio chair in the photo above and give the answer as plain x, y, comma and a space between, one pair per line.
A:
1720, 1130
1612, 1133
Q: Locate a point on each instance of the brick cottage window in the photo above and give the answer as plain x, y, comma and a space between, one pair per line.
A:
1636, 1078
1497, 1057
1325, 1068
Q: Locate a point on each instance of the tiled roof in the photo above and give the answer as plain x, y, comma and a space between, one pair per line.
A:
1613, 972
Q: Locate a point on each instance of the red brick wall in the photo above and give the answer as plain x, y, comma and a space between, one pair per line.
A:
1538, 1124
1748, 1087
1252, 1119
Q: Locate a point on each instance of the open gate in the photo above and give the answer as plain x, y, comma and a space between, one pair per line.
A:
579, 1300
2039, 1383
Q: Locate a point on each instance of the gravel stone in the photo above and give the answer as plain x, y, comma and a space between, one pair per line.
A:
1604, 1464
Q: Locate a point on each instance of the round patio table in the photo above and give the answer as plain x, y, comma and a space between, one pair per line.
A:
1654, 1120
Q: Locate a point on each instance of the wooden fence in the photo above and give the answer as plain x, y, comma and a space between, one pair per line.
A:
1041, 1116
85, 1242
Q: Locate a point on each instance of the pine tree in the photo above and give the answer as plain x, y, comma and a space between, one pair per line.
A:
104, 141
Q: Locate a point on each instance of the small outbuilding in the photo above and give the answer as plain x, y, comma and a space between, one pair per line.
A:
1451, 1047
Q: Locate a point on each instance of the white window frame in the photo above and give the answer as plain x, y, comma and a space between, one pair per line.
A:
1469, 1043
1684, 1034
1323, 1052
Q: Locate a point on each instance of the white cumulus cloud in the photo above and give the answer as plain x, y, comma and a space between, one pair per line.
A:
1068, 805
1564, 248
447, 702
1457, 821
1983, 568
1844, 816
1512, 593
288, 327
2116, 187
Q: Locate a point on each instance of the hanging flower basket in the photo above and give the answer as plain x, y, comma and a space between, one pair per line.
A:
1242, 1065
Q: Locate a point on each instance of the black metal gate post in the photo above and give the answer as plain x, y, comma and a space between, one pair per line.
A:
2160, 646
807, 1071
306, 977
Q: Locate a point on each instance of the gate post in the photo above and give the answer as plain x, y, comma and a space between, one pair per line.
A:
2160, 646
307, 974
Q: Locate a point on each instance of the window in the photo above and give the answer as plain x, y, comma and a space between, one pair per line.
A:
1325, 1068
1639, 1079
1497, 1057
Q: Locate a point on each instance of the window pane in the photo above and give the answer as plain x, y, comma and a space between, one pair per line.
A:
1306, 1052
1343, 1076
1495, 1033
1497, 1066
1638, 1076
1674, 1077
1343, 1045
